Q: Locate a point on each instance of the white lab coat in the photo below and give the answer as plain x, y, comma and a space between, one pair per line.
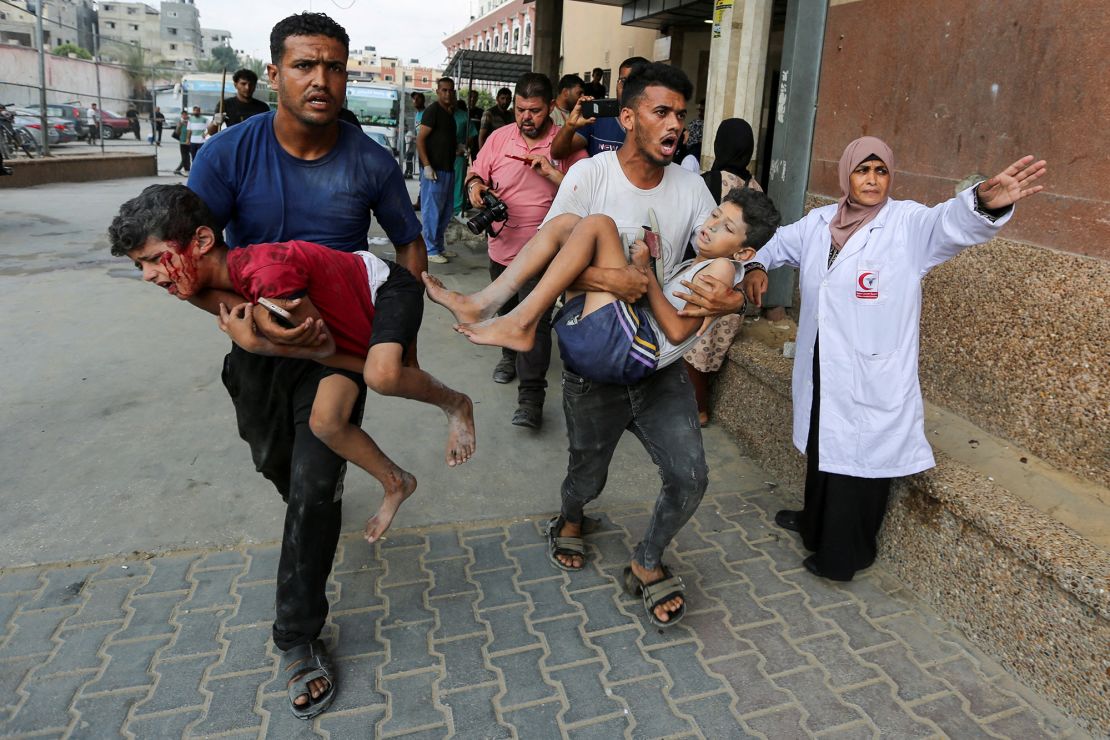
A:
868, 309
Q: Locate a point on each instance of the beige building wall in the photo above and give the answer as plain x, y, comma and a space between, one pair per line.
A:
593, 36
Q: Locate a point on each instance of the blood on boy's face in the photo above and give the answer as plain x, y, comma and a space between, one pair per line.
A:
162, 264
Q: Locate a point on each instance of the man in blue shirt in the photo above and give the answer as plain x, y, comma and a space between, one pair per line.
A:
300, 173
595, 135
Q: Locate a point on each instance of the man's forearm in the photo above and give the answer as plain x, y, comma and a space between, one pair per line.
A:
422, 147
561, 145
596, 279
211, 299
413, 256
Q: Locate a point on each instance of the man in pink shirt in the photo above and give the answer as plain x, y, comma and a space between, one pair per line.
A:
515, 165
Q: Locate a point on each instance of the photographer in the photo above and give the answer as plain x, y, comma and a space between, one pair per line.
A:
515, 167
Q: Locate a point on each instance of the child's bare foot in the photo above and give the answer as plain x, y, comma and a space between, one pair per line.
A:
501, 331
400, 487
461, 439
464, 307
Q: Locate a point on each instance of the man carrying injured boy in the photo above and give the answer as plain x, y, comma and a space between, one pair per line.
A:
372, 309
626, 186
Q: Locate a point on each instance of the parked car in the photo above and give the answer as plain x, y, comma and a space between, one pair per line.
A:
113, 125
70, 112
58, 130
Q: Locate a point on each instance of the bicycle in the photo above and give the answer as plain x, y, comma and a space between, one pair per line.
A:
12, 139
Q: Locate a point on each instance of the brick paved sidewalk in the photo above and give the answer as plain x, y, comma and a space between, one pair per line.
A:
468, 631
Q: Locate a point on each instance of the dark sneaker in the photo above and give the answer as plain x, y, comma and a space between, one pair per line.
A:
529, 417
788, 519
505, 371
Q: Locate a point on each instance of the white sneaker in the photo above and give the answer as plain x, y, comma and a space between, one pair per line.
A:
437, 259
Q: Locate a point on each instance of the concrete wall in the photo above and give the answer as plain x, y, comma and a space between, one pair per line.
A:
66, 79
970, 87
594, 37
28, 172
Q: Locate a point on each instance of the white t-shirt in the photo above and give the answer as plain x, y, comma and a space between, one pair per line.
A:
668, 352
681, 202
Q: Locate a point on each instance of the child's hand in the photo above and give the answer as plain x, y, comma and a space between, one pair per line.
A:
639, 254
238, 323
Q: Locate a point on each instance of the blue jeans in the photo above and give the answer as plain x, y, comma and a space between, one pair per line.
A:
661, 411
436, 202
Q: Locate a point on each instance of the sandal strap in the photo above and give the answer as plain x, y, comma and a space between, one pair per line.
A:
660, 591
574, 545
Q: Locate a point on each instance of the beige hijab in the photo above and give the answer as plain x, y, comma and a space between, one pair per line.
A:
851, 217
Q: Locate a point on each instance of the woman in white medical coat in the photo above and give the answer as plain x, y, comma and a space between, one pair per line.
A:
858, 413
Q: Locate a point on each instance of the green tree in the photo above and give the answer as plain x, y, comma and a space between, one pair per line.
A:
223, 57
67, 49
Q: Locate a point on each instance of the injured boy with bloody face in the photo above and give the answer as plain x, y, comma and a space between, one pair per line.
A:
372, 309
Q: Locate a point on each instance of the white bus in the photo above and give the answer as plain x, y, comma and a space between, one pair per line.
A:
203, 89
378, 108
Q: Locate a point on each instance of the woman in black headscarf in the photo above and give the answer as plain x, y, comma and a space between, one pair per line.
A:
732, 150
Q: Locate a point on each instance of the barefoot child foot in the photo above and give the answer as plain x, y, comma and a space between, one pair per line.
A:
399, 485
464, 307
461, 440
502, 331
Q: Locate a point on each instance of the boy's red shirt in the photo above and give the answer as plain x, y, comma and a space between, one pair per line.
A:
336, 283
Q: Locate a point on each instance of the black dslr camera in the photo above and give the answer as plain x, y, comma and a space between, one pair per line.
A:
493, 211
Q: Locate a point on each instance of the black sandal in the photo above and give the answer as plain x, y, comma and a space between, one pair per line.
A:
565, 546
304, 664
657, 592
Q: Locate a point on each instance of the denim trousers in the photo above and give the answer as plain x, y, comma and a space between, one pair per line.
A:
436, 202
531, 366
273, 401
661, 411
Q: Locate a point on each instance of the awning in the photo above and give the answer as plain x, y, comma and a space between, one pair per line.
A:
488, 66
660, 14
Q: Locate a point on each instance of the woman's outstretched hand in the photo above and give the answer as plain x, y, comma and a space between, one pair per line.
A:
1012, 184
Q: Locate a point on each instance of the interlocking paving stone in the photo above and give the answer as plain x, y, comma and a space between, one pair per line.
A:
356, 680
754, 691
79, 649
689, 675
604, 730
801, 621
601, 609
651, 711
689, 540
926, 646
733, 546
248, 650
472, 713
170, 574
263, 564
358, 589
711, 571
412, 703
403, 566
178, 686
102, 716
526, 533
844, 667
395, 540
196, 634
340, 726
877, 603
489, 553
782, 723
444, 544
163, 726
356, 635
612, 549
895, 720
450, 578
743, 609
406, 604
539, 720
548, 598
564, 641
12, 673
213, 589
408, 647
984, 699
948, 712
128, 666
104, 602
1021, 725
714, 718
818, 591
280, 722
712, 630
782, 551
8, 604
588, 578
709, 521
912, 681
626, 659
509, 628
585, 693
32, 631
824, 708
770, 642
765, 582
64, 587
464, 663
256, 605
47, 704
21, 581
857, 731
150, 616
456, 616
497, 589
524, 682
534, 563
222, 559
861, 632
232, 706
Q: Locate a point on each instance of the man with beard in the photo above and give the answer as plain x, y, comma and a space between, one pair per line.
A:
297, 174
497, 116
241, 106
527, 188
595, 135
660, 410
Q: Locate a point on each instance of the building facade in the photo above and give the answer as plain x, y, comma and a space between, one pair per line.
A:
63, 22
367, 65
506, 26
